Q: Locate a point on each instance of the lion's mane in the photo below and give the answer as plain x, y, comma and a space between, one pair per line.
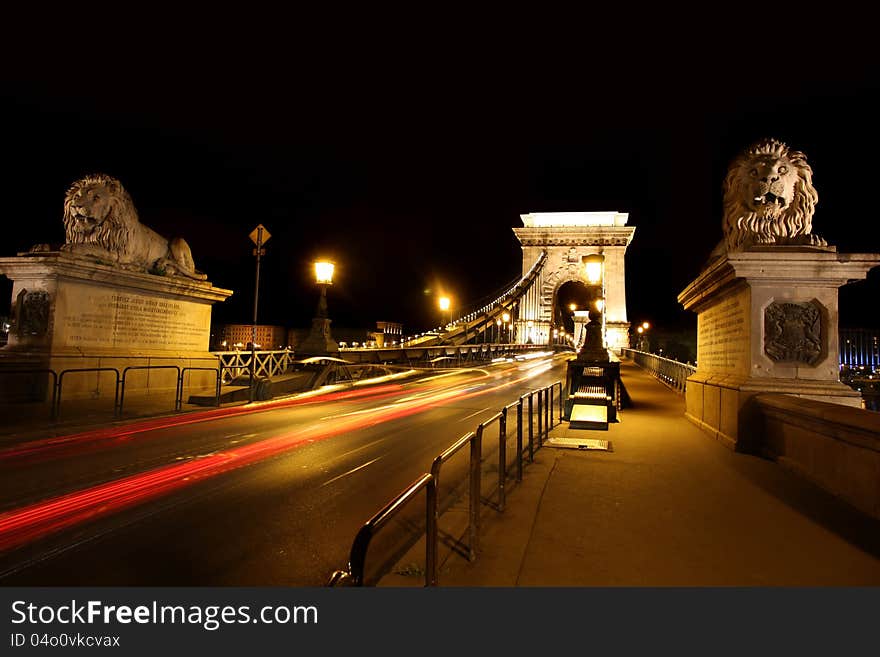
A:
114, 233
743, 226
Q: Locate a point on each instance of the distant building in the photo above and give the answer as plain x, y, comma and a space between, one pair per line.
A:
229, 337
386, 333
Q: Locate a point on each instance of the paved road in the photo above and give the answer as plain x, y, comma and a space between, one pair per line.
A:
245, 498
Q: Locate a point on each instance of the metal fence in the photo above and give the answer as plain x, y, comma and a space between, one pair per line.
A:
119, 382
670, 372
526, 419
266, 363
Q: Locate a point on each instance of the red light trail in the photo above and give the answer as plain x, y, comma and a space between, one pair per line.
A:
26, 524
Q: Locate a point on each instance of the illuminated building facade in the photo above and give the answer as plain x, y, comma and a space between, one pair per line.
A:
228, 337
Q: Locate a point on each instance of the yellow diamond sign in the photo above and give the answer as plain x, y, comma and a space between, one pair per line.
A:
260, 235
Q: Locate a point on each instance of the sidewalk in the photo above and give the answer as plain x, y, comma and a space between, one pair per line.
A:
668, 506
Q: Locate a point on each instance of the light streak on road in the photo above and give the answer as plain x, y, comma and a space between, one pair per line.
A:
352, 471
23, 525
122, 433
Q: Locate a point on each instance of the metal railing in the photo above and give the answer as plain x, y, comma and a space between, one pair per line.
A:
57, 396
119, 383
218, 378
266, 363
354, 576
475, 440
670, 372
525, 417
149, 367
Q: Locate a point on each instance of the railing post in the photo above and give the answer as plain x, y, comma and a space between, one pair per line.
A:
531, 432
217, 391
121, 395
431, 534
178, 391
53, 411
561, 406
117, 406
540, 419
519, 437
548, 413
502, 457
474, 510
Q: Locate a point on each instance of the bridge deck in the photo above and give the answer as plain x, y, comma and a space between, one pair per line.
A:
668, 506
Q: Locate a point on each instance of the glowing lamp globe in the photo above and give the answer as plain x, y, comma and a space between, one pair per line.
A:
324, 272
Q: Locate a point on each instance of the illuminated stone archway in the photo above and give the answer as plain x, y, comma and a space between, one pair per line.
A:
568, 238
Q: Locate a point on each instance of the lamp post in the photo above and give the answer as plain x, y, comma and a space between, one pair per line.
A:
643, 344
505, 317
320, 342
594, 342
259, 236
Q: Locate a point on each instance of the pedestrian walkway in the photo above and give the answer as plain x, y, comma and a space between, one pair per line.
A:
668, 506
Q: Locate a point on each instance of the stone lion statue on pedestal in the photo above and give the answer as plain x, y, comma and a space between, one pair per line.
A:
769, 198
100, 221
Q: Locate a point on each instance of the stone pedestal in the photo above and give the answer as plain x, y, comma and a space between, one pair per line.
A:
319, 341
767, 322
72, 313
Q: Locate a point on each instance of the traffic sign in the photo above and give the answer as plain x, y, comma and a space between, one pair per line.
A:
256, 235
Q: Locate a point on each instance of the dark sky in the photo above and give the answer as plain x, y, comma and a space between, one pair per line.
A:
410, 172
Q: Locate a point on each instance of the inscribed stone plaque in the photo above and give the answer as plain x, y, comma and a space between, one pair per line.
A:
722, 336
793, 332
91, 317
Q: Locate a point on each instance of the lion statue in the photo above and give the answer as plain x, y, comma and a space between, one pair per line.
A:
100, 221
769, 198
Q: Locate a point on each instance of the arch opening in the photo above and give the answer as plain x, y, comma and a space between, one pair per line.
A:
570, 297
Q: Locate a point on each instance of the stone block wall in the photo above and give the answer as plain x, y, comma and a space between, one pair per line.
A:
836, 447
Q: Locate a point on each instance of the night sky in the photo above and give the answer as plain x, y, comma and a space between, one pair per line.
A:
410, 173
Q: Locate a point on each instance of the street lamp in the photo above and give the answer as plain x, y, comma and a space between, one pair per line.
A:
593, 265
445, 303
505, 317
497, 330
643, 344
319, 341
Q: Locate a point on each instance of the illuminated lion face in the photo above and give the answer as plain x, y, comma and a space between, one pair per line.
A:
769, 198
94, 207
88, 206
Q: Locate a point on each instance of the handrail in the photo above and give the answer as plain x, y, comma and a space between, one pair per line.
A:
354, 575
357, 557
474, 478
87, 369
670, 372
148, 367
501, 418
217, 381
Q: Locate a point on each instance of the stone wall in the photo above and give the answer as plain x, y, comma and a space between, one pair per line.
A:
834, 446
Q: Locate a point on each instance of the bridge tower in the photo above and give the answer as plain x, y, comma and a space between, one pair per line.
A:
570, 238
